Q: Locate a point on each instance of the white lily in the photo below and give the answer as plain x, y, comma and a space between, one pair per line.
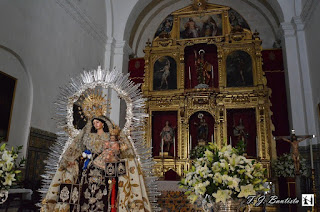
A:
246, 191
222, 195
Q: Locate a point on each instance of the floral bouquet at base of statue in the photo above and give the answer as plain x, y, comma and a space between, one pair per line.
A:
284, 166
223, 174
9, 168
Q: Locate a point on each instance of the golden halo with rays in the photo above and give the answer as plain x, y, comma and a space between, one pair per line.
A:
94, 104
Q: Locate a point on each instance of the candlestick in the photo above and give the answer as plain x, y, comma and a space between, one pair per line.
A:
311, 154
174, 147
190, 77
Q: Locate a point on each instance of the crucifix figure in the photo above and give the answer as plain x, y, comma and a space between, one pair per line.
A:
294, 141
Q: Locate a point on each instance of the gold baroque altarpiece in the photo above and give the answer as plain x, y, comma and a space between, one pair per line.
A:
169, 48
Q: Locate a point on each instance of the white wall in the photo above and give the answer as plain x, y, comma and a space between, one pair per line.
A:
312, 33
56, 40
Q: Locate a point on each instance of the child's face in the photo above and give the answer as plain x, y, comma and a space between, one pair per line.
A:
113, 138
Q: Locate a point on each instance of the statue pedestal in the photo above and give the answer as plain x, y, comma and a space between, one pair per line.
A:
163, 155
202, 86
202, 143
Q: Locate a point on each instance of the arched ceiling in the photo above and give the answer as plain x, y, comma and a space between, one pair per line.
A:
146, 15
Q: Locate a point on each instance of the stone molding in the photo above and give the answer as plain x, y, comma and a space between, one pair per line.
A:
288, 29
122, 48
308, 10
72, 8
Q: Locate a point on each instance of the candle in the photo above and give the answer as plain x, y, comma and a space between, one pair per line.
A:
188, 148
257, 147
189, 73
212, 138
293, 132
162, 146
212, 75
174, 147
190, 145
230, 141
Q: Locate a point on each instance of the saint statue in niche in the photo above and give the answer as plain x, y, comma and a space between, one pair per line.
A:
202, 130
167, 136
240, 133
204, 70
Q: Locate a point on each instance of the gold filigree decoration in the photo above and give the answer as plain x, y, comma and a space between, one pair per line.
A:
200, 101
240, 98
115, 131
199, 4
94, 104
165, 43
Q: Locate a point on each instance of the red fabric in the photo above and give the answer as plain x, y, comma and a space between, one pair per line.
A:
136, 70
272, 59
136, 67
274, 71
189, 59
248, 117
159, 119
194, 120
171, 175
113, 196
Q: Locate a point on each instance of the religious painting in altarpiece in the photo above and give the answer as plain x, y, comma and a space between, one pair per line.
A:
204, 83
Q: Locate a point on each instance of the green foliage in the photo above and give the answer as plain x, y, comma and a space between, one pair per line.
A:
10, 166
198, 152
241, 147
284, 166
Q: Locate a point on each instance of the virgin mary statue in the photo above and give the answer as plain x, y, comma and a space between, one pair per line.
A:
98, 170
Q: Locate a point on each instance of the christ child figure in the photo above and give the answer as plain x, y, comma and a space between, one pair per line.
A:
111, 150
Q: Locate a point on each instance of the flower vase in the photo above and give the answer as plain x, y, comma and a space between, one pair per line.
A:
3, 196
231, 205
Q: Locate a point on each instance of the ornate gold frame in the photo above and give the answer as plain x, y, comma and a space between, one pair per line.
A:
215, 101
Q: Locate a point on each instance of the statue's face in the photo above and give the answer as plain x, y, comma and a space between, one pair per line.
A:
97, 124
113, 138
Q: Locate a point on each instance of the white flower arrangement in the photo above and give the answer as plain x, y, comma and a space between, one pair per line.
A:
8, 167
223, 174
284, 166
